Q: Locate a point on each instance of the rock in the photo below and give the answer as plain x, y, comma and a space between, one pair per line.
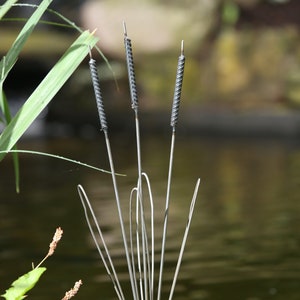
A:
153, 27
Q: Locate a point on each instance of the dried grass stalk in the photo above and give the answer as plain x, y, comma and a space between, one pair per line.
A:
56, 238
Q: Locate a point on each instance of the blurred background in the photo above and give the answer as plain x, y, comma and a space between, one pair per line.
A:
242, 61
238, 130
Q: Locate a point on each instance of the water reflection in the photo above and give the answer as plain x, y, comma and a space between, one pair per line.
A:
244, 241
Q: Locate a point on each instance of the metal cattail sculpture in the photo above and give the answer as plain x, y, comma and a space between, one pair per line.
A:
146, 291
133, 94
174, 119
139, 249
104, 127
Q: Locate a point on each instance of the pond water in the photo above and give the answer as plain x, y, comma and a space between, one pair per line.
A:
244, 241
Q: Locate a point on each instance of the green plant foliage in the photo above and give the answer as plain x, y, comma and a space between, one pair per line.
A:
7, 115
9, 60
23, 284
59, 157
230, 14
47, 89
18, 44
6, 7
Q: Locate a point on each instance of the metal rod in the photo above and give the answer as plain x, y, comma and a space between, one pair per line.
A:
109, 266
151, 269
192, 206
134, 190
166, 215
120, 212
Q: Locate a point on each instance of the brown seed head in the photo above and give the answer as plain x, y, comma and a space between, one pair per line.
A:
72, 292
56, 238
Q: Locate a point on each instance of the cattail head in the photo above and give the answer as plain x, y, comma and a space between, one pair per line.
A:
178, 87
130, 69
98, 94
56, 238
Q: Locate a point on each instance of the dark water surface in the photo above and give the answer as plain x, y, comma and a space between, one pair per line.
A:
244, 242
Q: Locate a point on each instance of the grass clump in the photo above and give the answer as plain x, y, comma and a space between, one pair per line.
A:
15, 126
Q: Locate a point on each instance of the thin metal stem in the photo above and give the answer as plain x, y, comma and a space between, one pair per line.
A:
119, 212
140, 199
165, 225
138, 232
114, 278
151, 271
192, 206
138, 246
134, 190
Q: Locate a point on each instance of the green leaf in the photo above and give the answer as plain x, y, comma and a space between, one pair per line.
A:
47, 89
58, 157
6, 7
23, 284
9, 60
13, 53
230, 14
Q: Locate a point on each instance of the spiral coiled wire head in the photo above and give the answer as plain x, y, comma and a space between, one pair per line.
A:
98, 94
178, 88
130, 68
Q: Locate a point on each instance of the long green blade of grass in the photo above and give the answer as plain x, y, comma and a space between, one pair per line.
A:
9, 60
59, 157
47, 89
5, 109
6, 7
13, 53
11, 57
